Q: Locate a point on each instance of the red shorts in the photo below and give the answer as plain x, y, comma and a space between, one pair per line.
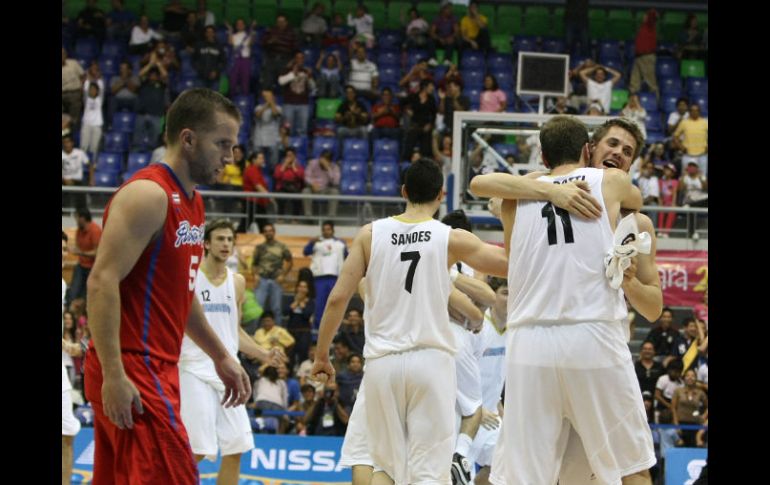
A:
156, 450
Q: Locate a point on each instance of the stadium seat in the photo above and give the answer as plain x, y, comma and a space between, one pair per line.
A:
697, 86
353, 186
106, 179
115, 141
648, 102
321, 143
354, 169
137, 161
326, 108
666, 67
299, 143
355, 149
124, 122
109, 162
385, 185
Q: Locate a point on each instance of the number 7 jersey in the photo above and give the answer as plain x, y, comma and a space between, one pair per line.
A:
407, 288
556, 261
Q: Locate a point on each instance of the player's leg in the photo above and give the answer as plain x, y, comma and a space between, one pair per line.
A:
66, 459
229, 470
362, 474
355, 446
69, 428
381, 478
235, 438
199, 403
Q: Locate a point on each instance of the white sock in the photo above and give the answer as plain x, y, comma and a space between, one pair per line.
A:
463, 446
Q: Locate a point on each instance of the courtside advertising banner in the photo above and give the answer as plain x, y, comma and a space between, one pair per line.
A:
684, 276
276, 460
684, 465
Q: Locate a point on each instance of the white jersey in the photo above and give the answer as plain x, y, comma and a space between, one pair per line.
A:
407, 288
221, 308
556, 262
492, 362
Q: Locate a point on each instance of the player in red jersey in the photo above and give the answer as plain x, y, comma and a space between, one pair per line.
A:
141, 302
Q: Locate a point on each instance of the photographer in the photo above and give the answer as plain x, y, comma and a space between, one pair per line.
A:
328, 417
289, 178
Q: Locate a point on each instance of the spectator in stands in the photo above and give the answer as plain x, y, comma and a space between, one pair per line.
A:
693, 143
350, 380
303, 373
174, 14
292, 386
297, 81
363, 23
352, 331
231, 179
387, 117
267, 120
192, 32
421, 112
656, 153
328, 405
452, 101
643, 69
119, 21
691, 40
649, 185
209, 59
279, 45
363, 75
492, 98
270, 335
329, 76
665, 338
675, 117
73, 162
160, 150
418, 34
151, 103
93, 121
123, 89
474, 29
289, 177
443, 155
669, 186
351, 117
141, 36
66, 124
69, 340
701, 310
562, 108
72, 78
648, 370
688, 406
634, 111
444, 32
271, 263
322, 176
205, 17
300, 315
91, 22
314, 26
271, 394
306, 406
452, 74
340, 355
254, 181
599, 88
667, 384
241, 40
576, 27
339, 32
87, 239
694, 190
411, 80
327, 254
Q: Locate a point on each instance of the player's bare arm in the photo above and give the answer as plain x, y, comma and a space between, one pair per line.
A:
574, 196
641, 281
137, 214
487, 258
477, 290
353, 269
460, 303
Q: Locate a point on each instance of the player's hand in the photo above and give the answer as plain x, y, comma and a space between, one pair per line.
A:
322, 370
118, 395
236, 381
576, 198
630, 272
489, 419
275, 357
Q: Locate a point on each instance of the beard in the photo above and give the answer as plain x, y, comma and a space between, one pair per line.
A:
199, 169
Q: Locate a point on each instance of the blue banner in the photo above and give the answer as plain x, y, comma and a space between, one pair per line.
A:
683, 465
276, 460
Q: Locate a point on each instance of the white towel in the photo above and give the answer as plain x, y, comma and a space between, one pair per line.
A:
627, 244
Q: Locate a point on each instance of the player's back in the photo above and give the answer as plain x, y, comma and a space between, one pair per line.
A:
407, 288
556, 262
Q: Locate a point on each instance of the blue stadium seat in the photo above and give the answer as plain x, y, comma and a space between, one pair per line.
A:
114, 48
356, 149
299, 143
390, 75
115, 141
110, 66
311, 55
648, 102
504, 79
385, 148
697, 86
474, 95
385, 169
703, 101
472, 60
498, 62
385, 185
389, 40
86, 48
321, 143
554, 46
524, 43
610, 49
109, 162
137, 161
389, 59
473, 79
414, 55
654, 122
106, 179
354, 169
669, 103
353, 186
123, 121
614, 63
666, 67
655, 137
670, 86
187, 83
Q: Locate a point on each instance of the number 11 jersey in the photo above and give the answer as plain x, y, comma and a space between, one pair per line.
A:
407, 288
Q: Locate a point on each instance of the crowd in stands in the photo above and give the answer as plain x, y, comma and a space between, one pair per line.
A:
353, 92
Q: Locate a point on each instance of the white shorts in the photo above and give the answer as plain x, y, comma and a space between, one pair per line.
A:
355, 446
410, 398
484, 445
575, 469
576, 375
468, 372
210, 426
69, 424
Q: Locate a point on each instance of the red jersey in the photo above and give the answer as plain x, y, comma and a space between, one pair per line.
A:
155, 297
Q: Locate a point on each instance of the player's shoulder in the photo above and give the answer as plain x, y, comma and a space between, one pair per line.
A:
644, 223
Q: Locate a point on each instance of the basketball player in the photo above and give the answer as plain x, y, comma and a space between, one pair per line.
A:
405, 259
210, 426
69, 424
140, 302
566, 344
